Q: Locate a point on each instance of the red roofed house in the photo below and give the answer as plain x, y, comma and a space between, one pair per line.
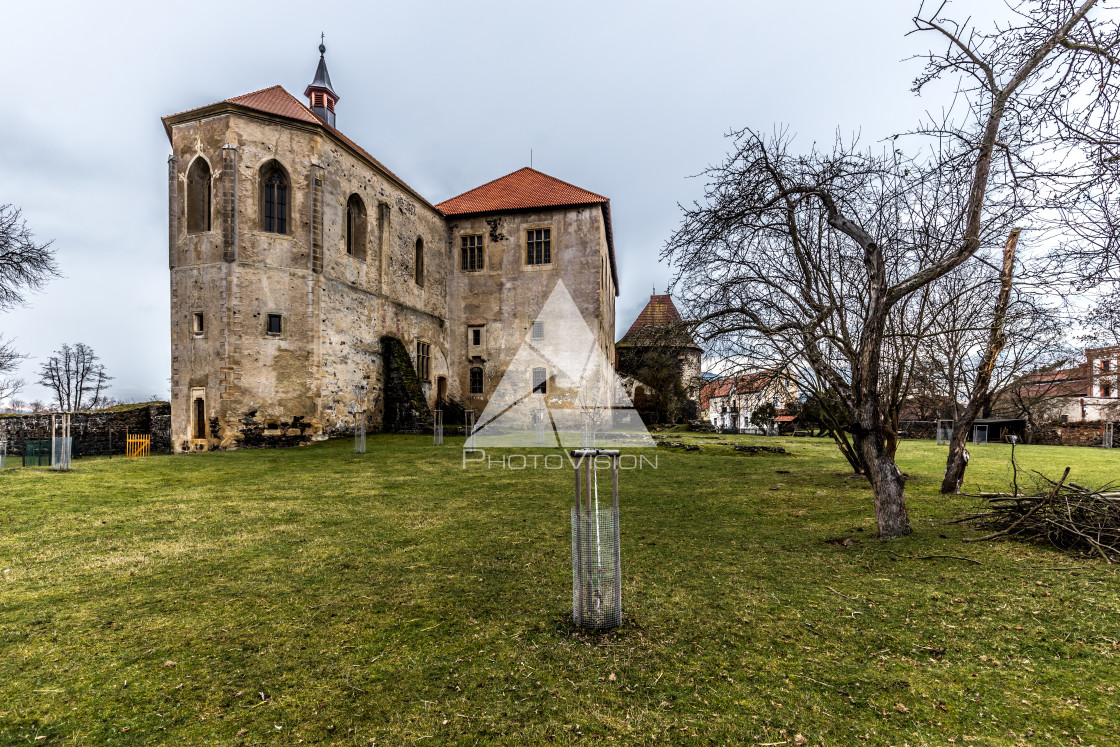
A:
729, 402
310, 285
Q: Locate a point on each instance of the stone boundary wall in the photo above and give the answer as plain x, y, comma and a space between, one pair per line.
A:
1073, 434
94, 433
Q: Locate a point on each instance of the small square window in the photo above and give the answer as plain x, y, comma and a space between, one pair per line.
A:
275, 324
538, 330
199, 325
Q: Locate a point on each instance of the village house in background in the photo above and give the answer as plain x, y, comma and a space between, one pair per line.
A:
729, 403
659, 362
310, 283
1087, 393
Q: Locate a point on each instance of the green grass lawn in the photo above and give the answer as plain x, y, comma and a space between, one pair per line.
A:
311, 596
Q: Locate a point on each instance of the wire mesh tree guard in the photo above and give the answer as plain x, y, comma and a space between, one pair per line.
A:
468, 428
359, 413
437, 428
944, 432
596, 560
3, 453
1106, 440
61, 443
540, 421
980, 434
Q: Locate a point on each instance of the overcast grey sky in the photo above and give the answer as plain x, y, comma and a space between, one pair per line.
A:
627, 99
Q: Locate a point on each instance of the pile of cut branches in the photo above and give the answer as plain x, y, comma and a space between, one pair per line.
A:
1063, 513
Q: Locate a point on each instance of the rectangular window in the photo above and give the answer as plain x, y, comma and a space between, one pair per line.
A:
1106, 390
423, 360
476, 380
539, 246
472, 253
275, 324
474, 340
198, 414
1106, 365
540, 381
538, 330
199, 323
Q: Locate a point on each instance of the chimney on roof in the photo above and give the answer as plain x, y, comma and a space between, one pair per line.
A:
320, 93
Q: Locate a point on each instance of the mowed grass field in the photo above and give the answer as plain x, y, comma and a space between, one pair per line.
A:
312, 596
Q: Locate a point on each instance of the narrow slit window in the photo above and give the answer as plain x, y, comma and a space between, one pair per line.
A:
540, 381
199, 418
423, 360
420, 262
199, 325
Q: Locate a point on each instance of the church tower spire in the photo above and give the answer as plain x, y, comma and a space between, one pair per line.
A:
319, 92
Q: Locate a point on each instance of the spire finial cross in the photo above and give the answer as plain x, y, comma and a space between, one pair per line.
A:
323, 43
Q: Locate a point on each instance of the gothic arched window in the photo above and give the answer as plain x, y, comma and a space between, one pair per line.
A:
198, 196
356, 227
420, 262
274, 198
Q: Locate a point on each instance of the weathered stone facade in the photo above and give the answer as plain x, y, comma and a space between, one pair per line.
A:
359, 256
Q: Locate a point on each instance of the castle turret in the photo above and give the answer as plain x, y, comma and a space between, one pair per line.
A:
320, 93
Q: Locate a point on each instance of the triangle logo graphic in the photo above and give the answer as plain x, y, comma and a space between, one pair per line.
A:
559, 390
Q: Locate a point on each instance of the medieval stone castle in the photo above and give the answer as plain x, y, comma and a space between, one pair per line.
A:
303, 270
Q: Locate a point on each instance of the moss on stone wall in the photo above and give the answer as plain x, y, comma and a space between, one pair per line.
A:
405, 404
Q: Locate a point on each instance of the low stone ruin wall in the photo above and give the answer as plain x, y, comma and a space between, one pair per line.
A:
1073, 434
94, 433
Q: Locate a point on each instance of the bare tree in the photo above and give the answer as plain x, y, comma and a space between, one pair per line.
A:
815, 251
25, 265
979, 396
72, 373
9, 359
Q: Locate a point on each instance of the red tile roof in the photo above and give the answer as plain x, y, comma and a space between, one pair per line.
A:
523, 189
276, 100
659, 312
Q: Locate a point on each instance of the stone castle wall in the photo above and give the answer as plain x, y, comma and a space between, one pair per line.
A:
94, 433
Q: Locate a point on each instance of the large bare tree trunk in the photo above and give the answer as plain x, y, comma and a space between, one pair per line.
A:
887, 484
978, 398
